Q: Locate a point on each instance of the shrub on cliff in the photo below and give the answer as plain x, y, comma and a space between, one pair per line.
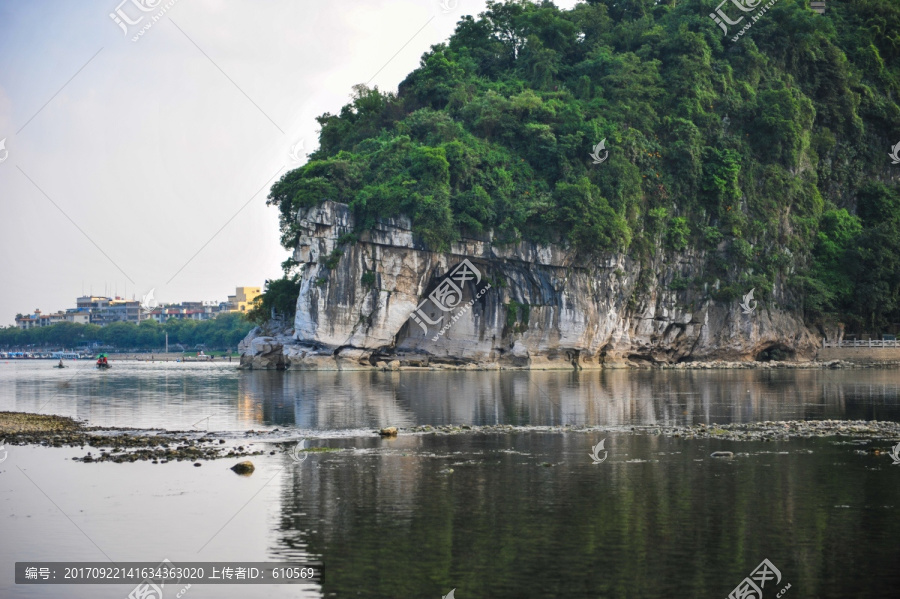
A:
278, 300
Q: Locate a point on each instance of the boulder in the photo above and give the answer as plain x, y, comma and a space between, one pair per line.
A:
245, 468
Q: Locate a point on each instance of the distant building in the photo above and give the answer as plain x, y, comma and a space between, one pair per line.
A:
102, 310
39, 319
90, 309
78, 316
818, 6
91, 302
185, 311
29, 321
242, 300
106, 310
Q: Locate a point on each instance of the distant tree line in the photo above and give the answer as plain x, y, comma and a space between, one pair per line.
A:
223, 332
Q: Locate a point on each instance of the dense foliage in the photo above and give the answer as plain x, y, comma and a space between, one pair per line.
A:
769, 153
222, 332
279, 300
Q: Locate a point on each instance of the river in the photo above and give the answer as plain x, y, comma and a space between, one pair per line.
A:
520, 513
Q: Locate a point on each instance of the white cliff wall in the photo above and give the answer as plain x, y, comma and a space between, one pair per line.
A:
354, 307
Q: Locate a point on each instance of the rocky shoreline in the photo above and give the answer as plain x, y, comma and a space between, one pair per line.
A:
117, 445
274, 347
782, 430
130, 445
788, 429
723, 365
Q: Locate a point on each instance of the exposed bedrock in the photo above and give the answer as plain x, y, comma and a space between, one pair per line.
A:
386, 301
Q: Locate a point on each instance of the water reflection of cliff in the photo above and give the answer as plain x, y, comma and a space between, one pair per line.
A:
350, 400
396, 523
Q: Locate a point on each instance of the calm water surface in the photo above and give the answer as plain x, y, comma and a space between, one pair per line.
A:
522, 514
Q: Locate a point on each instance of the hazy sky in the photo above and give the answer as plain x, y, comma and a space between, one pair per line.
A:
150, 147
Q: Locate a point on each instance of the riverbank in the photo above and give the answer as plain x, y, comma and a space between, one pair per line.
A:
173, 357
140, 357
719, 364
426, 365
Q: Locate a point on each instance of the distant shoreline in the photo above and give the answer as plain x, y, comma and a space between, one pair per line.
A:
438, 366
160, 357
172, 357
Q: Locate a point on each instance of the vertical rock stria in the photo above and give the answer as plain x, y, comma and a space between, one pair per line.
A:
385, 300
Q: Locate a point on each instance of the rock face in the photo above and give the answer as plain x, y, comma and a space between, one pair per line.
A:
385, 301
264, 346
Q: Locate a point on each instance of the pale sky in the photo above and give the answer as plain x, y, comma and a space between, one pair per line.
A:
151, 147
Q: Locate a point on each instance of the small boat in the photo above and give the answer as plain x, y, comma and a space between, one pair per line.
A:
102, 362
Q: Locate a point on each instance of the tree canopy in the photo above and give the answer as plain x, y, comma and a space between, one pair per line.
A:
222, 332
769, 152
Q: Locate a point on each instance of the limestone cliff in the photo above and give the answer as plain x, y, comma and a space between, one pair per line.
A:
385, 300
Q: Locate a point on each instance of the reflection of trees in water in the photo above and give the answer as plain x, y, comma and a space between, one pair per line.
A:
501, 525
347, 400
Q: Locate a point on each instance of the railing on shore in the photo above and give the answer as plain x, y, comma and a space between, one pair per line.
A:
862, 343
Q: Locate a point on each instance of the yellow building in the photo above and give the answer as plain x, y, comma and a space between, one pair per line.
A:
243, 297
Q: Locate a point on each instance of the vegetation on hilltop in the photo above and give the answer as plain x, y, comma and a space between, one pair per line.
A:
769, 153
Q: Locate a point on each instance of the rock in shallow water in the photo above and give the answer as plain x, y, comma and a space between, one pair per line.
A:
390, 431
721, 454
244, 468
